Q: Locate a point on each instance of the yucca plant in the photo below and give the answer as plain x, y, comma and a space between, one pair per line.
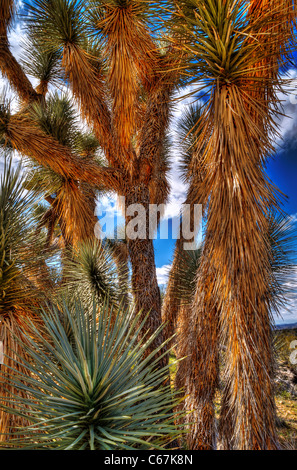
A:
119, 251
88, 386
237, 49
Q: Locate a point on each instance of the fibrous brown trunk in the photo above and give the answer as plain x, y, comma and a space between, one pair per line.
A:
13, 352
145, 287
198, 373
172, 302
240, 275
196, 325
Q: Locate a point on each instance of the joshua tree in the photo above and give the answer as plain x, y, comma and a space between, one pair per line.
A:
114, 66
123, 78
71, 205
238, 48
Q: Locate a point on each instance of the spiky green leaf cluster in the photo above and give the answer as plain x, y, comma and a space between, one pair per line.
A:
57, 117
91, 387
185, 275
220, 39
57, 22
40, 63
90, 272
5, 113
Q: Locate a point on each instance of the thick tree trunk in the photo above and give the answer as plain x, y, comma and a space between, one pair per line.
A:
13, 351
196, 325
198, 373
145, 287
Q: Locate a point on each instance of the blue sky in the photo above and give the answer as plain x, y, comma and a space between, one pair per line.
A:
281, 169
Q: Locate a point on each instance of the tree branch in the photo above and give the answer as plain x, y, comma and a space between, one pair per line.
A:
10, 67
28, 139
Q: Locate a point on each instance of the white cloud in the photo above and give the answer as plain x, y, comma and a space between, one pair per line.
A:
287, 122
162, 274
182, 99
288, 311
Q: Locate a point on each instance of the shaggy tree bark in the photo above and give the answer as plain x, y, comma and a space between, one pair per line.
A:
198, 373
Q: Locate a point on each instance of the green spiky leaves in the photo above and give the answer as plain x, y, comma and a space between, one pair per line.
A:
41, 64
57, 22
90, 387
91, 272
57, 117
187, 138
5, 114
223, 42
184, 275
281, 240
